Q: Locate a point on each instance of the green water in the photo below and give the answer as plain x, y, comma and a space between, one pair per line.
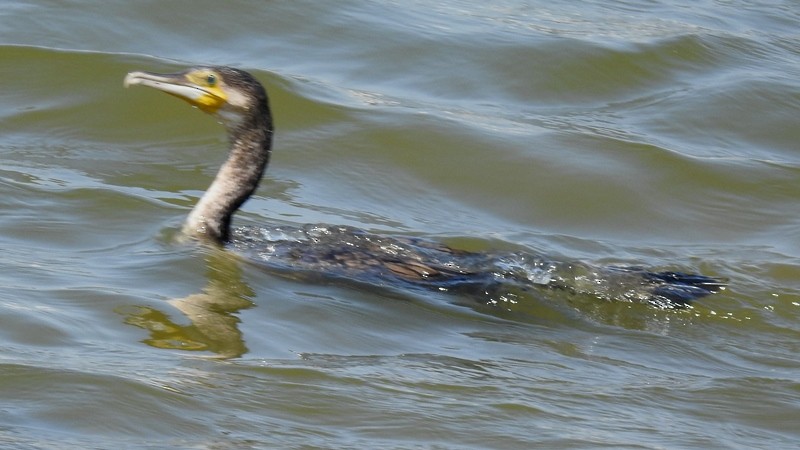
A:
658, 133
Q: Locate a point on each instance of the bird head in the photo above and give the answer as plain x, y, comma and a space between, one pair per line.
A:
231, 95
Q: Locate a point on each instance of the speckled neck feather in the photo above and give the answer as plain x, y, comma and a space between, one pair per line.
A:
250, 138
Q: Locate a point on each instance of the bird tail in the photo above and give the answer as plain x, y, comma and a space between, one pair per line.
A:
678, 289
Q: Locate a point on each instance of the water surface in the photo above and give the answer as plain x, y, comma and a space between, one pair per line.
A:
660, 134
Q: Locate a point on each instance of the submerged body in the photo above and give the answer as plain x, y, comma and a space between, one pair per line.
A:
239, 101
350, 254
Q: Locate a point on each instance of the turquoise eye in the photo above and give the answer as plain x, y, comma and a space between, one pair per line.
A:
211, 79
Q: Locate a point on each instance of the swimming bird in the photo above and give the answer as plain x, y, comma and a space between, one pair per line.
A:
240, 103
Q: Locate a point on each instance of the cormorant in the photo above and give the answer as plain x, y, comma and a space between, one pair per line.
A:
240, 103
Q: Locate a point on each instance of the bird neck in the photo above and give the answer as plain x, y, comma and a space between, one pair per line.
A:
237, 179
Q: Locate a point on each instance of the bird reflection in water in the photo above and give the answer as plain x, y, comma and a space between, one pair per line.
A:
213, 324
